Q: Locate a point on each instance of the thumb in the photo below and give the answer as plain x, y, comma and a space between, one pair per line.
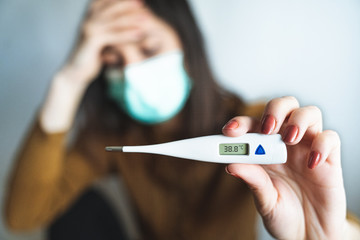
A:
260, 184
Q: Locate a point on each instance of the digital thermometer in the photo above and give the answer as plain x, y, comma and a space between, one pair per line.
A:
250, 148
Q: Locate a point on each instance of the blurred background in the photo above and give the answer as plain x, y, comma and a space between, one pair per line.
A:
260, 49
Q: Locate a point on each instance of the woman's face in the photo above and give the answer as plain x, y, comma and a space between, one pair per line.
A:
155, 37
157, 90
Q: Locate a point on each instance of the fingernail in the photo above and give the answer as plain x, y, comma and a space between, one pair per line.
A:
290, 134
231, 125
314, 159
268, 124
227, 171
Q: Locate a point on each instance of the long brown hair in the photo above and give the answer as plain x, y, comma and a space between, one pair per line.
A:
205, 111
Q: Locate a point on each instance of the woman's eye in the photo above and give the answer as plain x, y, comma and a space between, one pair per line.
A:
150, 51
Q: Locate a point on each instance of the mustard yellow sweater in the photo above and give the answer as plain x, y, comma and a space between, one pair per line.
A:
172, 198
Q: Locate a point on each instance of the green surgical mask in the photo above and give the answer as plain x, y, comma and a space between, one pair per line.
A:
152, 91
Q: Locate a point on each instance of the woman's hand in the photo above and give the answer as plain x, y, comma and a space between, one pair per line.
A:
108, 24
305, 197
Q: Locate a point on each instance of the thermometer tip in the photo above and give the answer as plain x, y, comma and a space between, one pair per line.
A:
114, 149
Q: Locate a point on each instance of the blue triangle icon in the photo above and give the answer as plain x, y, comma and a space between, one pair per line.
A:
260, 150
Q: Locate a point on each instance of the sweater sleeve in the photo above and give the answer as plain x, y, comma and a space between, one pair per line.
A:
353, 226
46, 178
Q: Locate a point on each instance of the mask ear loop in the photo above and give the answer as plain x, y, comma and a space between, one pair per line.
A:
114, 80
114, 75
116, 84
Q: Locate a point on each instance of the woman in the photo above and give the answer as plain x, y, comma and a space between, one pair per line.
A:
158, 42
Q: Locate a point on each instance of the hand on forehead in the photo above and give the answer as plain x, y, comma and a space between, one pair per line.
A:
154, 36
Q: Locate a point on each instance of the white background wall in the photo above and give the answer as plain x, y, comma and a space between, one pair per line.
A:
260, 49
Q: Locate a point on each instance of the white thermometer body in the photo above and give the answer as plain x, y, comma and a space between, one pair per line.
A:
250, 148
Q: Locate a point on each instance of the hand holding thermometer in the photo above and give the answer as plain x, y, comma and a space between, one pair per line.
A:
252, 148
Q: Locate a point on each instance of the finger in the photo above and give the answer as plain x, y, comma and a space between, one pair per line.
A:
325, 148
302, 120
117, 9
259, 182
238, 126
276, 112
124, 22
92, 29
117, 38
97, 5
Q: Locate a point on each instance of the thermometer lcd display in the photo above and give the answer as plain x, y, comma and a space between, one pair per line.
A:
234, 149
